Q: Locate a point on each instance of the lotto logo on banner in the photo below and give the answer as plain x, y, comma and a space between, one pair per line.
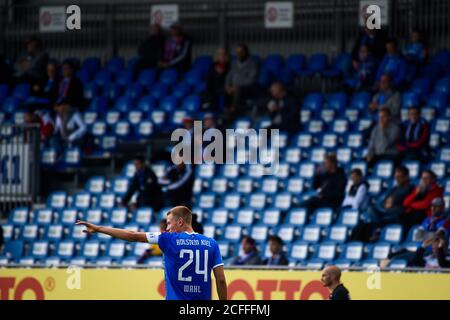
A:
52, 19
164, 15
279, 15
368, 8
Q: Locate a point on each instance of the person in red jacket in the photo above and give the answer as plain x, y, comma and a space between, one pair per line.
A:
418, 203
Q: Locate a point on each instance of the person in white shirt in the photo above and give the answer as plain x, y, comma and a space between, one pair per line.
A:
69, 126
357, 191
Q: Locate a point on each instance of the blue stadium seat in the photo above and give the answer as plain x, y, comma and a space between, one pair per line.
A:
315, 263
158, 117
43, 217
134, 91
271, 217
207, 200
398, 264
232, 201
145, 129
14, 249
106, 200
115, 65
91, 65
311, 233
259, 232
353, 251
348, 218
95, 185
182, 90
55, 232
244, 217
410, 99
219, 217
225, 248
19, 216
72, 157
233, 232
10, 104
296, 63
313, 101
392, 233
124, 78
102, 78
118, 217
57, 200
299, 251
192, 103
169, 104
168, 77
21, 91
337, 101
384, 169
342, 263
322, 217
437, 100
380, 250
116, 249
360, 101
147, 104
124, 104
39, 249
30, 232
439, 168
326, 251
91, 249
158, 91
68, 216
99, 105
143, 216
338, 234
286, 232
317, 63
219, 185
112, 91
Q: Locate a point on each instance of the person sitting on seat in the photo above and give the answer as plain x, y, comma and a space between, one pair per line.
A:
278, 257
250, 255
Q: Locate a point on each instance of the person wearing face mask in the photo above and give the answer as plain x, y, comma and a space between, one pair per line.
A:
364, 70
177, 50
414, 143
418, 203
240, 83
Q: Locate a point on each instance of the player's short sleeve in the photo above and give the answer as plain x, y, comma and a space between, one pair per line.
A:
163, 240
216, 257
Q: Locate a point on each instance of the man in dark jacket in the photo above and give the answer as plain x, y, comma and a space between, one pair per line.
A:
250, 255
178, 182
177, 50
278, 257
31, 65
150, 50
146, 184
283, 109
437, 258
329, 182
70, 88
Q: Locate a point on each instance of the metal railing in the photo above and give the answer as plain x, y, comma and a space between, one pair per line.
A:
19, 165
329, 26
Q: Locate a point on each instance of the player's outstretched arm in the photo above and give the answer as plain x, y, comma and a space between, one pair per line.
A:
221, 282
123, 234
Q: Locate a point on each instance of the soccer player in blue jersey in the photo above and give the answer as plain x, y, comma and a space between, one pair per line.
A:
189, 257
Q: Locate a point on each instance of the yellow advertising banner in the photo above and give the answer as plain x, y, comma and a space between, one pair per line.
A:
148, 284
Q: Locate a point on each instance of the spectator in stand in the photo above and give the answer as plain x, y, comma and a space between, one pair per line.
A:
250, 255
145, 183
283, 109
383, 139
44, 121
196, 225
329, 182
386, 211
418, 203
32, 64
374, 39
357, 191
416, 50
386, 97
278, 257
46, 91
70, 88
393, 64
363, 73
215, 95
70, 128
438, 222
177, 50
178, 182
150, 51
439, 256
414, 144
241, 81
153, 250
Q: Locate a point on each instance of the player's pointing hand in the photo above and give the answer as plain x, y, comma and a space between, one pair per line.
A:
90, 227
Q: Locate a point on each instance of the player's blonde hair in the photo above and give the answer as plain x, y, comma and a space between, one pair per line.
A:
183, 213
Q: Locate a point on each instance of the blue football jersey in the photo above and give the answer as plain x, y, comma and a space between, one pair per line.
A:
189, 259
